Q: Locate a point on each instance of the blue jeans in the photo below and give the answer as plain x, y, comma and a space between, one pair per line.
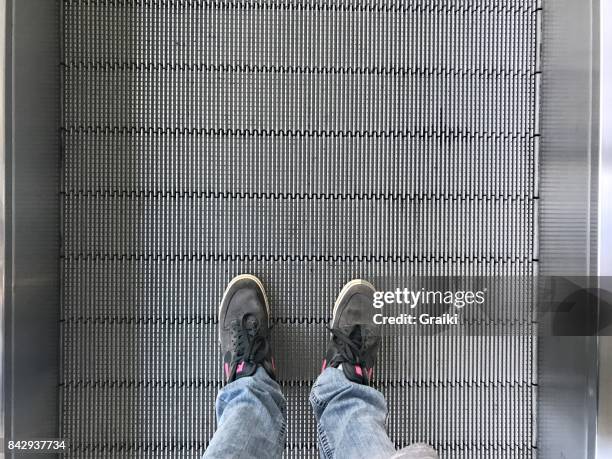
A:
251, 418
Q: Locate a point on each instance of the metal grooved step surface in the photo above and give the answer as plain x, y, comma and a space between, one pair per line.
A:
308, 143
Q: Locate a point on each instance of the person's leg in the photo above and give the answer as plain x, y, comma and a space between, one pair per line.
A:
351, 421
251, 409
251, 415
350, 414
350, 418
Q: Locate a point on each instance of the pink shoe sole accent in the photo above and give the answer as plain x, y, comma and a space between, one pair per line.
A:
240, 367
358, 370
324, 365
226, 369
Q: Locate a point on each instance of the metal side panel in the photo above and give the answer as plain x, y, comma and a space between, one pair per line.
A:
567, 366
604, 414
31, 220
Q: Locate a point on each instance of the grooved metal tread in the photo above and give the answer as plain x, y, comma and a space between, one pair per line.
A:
309, 143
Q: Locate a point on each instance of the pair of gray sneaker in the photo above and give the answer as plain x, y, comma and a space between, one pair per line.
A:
244, 331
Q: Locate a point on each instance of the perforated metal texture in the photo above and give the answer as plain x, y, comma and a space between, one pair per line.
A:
308, 143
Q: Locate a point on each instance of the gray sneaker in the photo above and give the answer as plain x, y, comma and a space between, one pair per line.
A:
354, 338
244, 330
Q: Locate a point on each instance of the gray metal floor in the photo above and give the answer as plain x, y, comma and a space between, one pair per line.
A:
308, 143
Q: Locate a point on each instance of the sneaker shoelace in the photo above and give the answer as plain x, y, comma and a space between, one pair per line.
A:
349, 345
248, 345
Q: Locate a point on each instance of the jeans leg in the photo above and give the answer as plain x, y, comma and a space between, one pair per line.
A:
251, 419
351, 421
350, 418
